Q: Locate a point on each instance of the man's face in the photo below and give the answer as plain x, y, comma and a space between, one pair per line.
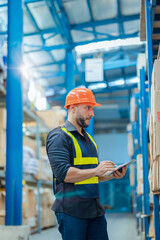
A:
83, 114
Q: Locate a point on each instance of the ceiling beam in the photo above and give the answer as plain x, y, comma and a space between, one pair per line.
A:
105, 22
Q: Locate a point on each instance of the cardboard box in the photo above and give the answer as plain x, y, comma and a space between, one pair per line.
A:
25, 202
44, 171
156, 140
53, 118
43, 151
3, 138
156, 75
151, 227
49, 117
31, 203
133, 110
156, 105
155, 176
29, 143
2, 217
139, 161
3, 118
47, 218
2, 199
132, 175
130, 145
140, 187
2, 157
158, 160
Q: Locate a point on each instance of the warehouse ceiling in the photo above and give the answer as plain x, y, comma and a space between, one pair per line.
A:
54, 27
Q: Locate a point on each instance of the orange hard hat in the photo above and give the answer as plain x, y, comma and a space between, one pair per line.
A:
81, 95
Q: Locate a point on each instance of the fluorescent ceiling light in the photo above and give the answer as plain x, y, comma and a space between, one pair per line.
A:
50, 92
132, 80
116, 83
107, 45
109, 106
63, 91
97, 86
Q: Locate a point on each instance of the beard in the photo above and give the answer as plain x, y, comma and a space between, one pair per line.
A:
81, 122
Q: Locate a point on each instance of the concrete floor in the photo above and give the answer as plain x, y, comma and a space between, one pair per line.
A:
120, 227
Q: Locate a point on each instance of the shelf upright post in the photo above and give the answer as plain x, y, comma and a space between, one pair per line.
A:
69, 71
150, 66
156, 216
14, 115
149, 42
38, 181
144, 151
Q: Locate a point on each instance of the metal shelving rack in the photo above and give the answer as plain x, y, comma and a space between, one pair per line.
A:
150, 18
30, 116
152, 8
140, 140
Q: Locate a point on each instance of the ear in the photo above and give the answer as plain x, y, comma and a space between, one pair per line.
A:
72, 108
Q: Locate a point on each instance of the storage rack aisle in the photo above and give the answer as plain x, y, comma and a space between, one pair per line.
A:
145, 129
36, 187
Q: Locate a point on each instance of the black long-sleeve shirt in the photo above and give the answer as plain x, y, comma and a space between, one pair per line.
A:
60, 151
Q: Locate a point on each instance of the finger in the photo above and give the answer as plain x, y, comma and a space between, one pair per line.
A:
118, 173
109, 162
116, 176
124, 169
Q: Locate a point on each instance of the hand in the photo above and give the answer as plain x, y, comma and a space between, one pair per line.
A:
104, 167
119, 175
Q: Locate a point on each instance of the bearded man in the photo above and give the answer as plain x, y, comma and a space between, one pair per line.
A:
73, 156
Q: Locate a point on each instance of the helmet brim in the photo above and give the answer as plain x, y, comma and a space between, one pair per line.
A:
94, 105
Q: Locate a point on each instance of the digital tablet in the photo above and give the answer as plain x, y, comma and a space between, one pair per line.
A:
119, 168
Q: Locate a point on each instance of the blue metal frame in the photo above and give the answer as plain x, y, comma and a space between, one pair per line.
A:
150, 66
121, 27
14, 115
69, 71
156, 216
149, 42
104, 22
145, 151
38, 181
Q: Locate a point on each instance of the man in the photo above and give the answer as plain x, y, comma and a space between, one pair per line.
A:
73, 156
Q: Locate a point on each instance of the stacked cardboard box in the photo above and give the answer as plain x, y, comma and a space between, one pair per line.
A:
139, 174
130, 140
52, 118
31, 143
2, 207
154, 128
2, 137
151, 227
47, 215
133, 109
30, 207
44, 169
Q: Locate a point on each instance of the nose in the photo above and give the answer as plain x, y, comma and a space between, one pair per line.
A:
91, 113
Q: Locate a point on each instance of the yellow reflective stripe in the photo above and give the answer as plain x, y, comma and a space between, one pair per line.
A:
77, 147
93, 180
93, 141
85, 160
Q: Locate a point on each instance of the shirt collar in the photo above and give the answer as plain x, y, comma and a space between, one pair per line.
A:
70, 127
